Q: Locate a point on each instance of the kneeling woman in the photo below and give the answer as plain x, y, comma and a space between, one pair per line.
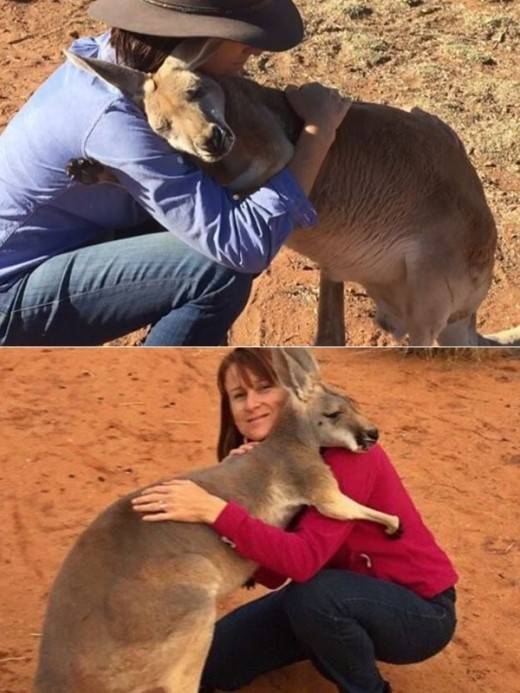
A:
354, 597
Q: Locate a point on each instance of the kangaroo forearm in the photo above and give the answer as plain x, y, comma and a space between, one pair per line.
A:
310, 152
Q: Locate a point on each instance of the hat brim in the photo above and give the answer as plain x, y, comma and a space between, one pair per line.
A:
272, 27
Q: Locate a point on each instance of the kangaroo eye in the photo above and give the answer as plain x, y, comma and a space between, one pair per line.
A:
163, 129
194, 93
333, 415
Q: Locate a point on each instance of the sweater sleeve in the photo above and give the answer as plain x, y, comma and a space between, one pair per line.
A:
301, 553
242, 234
268, 578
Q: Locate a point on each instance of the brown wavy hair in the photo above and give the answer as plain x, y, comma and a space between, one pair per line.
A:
141, 51
255, 360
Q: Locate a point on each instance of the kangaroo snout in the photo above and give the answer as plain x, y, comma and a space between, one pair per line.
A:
367, 437
220, 141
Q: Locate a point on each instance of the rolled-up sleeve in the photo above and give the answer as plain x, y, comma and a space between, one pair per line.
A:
242, 234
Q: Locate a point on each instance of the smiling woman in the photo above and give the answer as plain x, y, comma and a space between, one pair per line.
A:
355, 596
251, 398
255, 403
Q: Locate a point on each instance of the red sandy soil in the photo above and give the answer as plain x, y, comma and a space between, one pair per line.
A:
81, 427
458, 60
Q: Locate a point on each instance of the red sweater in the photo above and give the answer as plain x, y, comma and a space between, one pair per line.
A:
314, 541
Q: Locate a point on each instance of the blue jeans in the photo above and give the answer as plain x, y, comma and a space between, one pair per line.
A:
339, 620
97, 293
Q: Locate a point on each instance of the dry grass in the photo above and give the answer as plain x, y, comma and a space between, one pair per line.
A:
461, 354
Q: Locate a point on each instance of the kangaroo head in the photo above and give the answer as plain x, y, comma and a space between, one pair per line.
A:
331, 417
188, 110
185, 108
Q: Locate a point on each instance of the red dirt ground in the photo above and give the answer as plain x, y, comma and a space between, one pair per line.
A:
81, 427
458, 60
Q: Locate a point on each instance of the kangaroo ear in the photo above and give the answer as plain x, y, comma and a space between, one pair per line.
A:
191, 53
132, 83
305, 360
296, 369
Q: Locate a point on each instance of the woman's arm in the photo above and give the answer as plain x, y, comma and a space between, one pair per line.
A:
322, 110
301, 553
243, 234
297, 554
268, 578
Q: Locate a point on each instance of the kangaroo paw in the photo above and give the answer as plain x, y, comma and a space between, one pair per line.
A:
395, 533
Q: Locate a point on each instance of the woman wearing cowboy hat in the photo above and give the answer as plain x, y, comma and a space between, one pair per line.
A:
61, 280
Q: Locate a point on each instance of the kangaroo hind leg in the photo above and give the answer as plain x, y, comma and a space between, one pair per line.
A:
185, 652
462, 332
331, 315
429, 302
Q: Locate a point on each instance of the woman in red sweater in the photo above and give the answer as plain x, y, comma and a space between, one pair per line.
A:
354, 597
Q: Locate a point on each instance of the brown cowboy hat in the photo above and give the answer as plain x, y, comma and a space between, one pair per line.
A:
271, 25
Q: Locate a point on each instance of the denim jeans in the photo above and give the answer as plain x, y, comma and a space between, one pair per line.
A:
103, 291
342, 621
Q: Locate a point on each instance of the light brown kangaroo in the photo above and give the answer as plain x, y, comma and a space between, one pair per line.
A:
402, 210
133, 606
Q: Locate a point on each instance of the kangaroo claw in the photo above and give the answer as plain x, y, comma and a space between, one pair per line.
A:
395, 533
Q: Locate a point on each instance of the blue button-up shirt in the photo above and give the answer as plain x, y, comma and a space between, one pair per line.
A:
75, 114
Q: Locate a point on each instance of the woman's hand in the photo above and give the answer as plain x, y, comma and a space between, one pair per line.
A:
245, 447
180, 500
321, 108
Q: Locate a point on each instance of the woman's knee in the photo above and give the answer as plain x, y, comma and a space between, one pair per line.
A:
305, 601
239, 287
226, 287
330, 596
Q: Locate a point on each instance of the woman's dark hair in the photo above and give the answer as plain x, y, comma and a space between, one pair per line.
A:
257, 361
141, 51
